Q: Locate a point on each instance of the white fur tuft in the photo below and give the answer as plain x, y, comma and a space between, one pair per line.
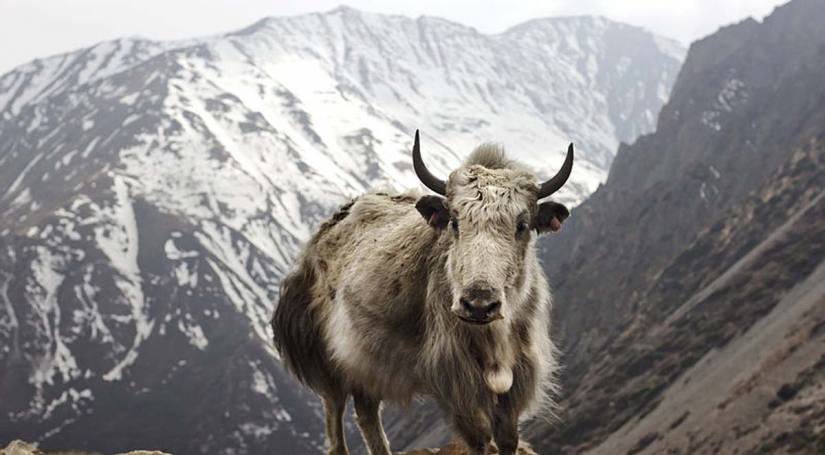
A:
499, 380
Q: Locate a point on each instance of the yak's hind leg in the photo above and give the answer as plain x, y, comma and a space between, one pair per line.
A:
368, 416
334, 406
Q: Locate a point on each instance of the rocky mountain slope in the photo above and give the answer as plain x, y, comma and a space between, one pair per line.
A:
689, 287
154, 193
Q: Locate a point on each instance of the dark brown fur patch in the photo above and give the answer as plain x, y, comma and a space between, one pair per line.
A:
339, 215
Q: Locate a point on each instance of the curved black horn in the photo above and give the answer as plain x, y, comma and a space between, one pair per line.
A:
554, 184
427, 178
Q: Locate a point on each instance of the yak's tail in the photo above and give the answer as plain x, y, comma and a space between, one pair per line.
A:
297, 332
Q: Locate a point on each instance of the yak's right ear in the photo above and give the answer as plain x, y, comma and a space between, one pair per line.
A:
434, 209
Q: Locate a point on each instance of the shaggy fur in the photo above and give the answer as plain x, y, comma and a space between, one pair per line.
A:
370, 309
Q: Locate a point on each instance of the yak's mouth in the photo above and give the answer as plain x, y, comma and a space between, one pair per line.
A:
479, 321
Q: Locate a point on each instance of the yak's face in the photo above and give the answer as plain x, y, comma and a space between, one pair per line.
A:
490, 218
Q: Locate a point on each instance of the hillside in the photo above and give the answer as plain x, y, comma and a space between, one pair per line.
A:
689, 297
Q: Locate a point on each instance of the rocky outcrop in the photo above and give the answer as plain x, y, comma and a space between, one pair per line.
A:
18, 447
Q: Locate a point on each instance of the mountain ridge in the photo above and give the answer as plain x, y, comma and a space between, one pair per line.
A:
156, 194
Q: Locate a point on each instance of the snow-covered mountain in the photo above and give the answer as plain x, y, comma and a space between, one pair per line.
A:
152, 195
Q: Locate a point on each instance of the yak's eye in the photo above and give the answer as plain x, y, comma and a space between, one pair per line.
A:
521, 227
454, 225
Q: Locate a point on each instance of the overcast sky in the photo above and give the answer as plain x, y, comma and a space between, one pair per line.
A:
37, 28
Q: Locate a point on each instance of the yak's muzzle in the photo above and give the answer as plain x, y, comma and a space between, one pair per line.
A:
478, 305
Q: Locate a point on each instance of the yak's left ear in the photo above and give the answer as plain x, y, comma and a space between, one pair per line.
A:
434, 210
550, 216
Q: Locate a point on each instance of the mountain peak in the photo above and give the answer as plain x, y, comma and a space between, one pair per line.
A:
344, 8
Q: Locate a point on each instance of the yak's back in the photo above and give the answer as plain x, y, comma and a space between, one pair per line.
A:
359, 220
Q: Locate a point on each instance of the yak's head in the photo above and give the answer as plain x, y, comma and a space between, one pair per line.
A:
490, 209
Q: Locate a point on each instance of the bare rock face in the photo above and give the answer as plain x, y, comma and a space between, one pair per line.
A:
688, 290
20, 448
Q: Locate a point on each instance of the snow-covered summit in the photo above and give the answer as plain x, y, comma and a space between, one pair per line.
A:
534, 88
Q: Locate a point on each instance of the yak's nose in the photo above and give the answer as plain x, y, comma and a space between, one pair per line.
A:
480, 305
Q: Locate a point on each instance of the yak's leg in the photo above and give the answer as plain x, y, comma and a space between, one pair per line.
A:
475, 429
368, 416
505, 425
334, 406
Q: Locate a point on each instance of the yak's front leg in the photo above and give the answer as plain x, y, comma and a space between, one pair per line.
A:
475, 429
505, 425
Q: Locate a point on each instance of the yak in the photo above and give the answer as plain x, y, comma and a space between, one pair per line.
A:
404, 295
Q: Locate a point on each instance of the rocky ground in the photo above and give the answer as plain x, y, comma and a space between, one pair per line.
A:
458, 449
24, 448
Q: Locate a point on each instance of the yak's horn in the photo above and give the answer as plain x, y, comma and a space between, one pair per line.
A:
554, 184
427, 178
